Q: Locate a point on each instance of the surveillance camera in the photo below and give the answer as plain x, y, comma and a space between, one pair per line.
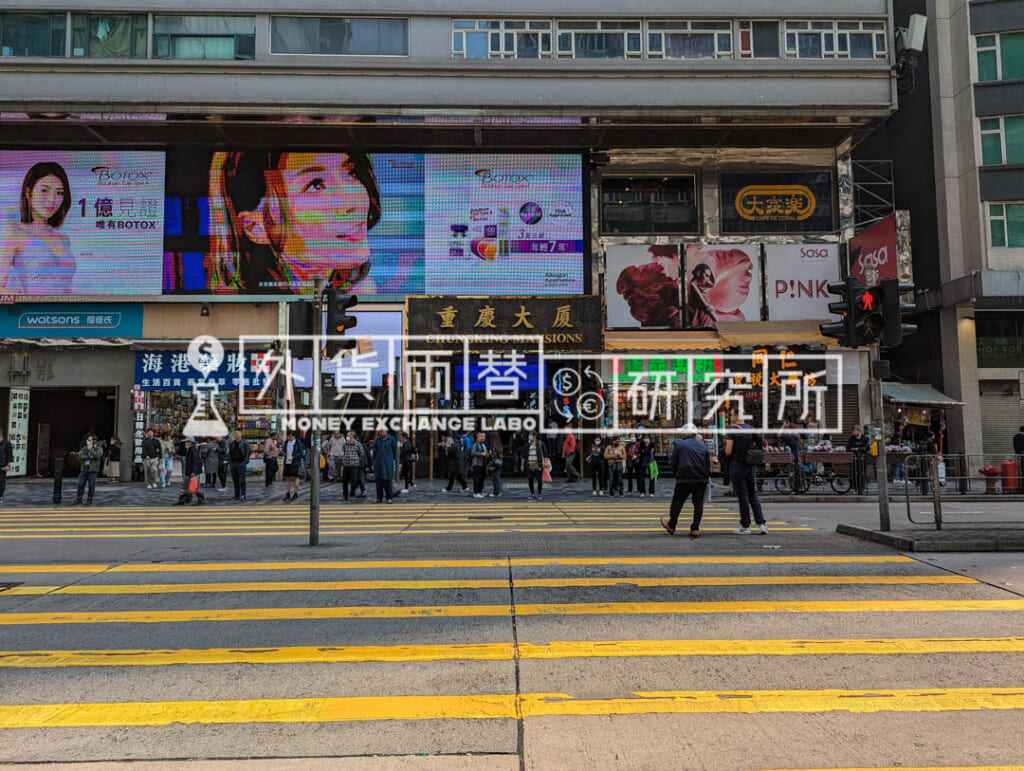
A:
913, 39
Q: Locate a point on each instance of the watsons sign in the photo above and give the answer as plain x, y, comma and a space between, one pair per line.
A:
72, 320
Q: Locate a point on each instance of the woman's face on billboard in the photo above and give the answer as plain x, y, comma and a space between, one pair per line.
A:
47, 196
327, 209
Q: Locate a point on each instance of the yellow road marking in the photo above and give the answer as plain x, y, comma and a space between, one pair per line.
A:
914, 768
201, 567
526, 609
506, 651
479, 583
506, 706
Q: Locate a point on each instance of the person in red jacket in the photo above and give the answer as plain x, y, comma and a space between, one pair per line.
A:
569, 453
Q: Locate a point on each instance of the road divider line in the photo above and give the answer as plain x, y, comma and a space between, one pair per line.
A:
525, 609
482, 583
501, 706
582, 649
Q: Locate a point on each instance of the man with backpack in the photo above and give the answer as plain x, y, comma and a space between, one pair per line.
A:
745, 452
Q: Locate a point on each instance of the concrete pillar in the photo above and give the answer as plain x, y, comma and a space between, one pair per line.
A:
960, 379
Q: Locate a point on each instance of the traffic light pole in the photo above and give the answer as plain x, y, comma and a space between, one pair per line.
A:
314, 450
878, 418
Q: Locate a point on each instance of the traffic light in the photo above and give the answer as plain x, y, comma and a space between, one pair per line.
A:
844, 331
300, 322
338, 321
867, 312
893, 310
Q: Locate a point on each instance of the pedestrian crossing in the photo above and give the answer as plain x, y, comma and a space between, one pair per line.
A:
562, 661
402, 518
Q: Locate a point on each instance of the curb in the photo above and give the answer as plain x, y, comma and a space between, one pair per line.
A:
940, 540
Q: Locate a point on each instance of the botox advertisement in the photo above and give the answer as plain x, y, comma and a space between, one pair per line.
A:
81, 223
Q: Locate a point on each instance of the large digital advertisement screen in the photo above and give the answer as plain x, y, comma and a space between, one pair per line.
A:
259, 222
81, 222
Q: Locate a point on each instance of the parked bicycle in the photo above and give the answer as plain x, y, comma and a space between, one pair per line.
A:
799, 479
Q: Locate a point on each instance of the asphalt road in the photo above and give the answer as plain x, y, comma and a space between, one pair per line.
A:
568, 635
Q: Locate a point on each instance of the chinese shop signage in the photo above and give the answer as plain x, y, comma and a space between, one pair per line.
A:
792, 202
566, 323
172, 371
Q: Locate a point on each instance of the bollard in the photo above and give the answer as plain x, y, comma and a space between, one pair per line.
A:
58, 479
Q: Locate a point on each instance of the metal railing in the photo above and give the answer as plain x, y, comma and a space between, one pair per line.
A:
937, 476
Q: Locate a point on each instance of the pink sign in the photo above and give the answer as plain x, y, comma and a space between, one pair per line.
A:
873, 253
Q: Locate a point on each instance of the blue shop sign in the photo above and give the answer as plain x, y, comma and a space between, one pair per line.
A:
171, 371
72, 320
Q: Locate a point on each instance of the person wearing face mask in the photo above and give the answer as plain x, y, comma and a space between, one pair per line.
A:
533, 465
385, 458
598, 467
89, 456
643, 455
615, 457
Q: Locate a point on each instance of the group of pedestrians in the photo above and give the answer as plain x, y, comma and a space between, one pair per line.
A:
615, 462
350, 461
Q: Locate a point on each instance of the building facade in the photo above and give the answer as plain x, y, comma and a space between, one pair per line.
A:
690, 168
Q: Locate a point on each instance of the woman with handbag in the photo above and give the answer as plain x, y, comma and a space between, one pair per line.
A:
615, 457
533, 465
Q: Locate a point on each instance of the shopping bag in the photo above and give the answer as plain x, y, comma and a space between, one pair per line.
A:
193, 485
545, 475
652, 467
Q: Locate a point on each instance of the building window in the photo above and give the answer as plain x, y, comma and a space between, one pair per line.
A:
204, 37
1006, 224
759, 40
1002, 140
648, 205
836, 40
600, 40
32, 34
337, 36
689, 39
1000, 57
500, 39
105, 36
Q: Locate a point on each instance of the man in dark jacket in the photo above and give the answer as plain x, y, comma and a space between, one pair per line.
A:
385, 457
691, 466
1018, 449
743, 474
151, 455
238, 458
89, 456
858, 444
6, 459
193, 468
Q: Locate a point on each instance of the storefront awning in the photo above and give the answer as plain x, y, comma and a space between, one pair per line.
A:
661, 341
918, 394
735, 334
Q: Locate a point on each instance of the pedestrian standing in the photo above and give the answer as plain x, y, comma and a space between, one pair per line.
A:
210, 455
334, 447
238, 459
113, 466
166, 458
194, 466
456, 462
691, 466
270, 454
519, 441
151, 456
408, 456
741, 450
598, 467
643, 457
630, 446
222, 468
478, 453
615, 457
353, 459
859, 446
1018, 449
495, 459
89, 456
385, 460
533, 465
293, 453
6, 459
569, 453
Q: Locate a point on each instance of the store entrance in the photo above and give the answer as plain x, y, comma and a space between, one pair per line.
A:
65, 415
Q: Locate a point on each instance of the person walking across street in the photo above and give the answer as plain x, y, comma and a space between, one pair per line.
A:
691, 467
151, 457
385, 460
238, 458
6, 459
456, 462
569, 454
858, 444
353, 459
166, 458
408, 455
533, 465
478, 452
615, 457
194, 467
742, 449
292, 451
495, 460
89, 456
270, 454
643, 457
598, 467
